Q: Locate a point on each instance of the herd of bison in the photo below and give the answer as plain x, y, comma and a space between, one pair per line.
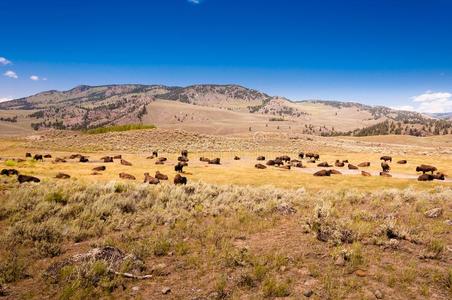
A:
284, 162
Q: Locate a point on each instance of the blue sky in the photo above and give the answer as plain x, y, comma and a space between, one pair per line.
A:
390, 52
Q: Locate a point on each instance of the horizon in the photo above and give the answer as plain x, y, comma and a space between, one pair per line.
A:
389, 54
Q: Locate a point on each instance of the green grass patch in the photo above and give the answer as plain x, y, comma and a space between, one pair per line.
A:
119, 128
10, 163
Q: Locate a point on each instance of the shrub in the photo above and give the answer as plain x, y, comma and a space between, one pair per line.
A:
274, 288
119, 128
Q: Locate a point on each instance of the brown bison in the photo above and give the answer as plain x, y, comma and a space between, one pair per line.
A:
284, 158
178, 179
163, 159
385, 166
402, 162
339, 164
28, 154
123, 175
184, 153
323, 173
151, 180
75, 156
26, 178
364, 173
62, 176
261, 158
83, 159
160, 176
271, 162
204, 159
260, 166
324, 164
125, 162
236, 158
278, 162
107, 159
335, 172
352, 167
117, 156
38, 157
179, 167
100, 168
314, 156
425, 168
439, 176
159, 162
287, 167
426, 177
364, 164
47, 156
215, 161
385, 174
299, 165
59, 160
386, 158
155, 154
9, 172
301, 155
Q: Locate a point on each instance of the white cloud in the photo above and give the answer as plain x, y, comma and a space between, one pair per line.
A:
5, 99
11, 74
4, 61
34, 77
430, 102
194, 1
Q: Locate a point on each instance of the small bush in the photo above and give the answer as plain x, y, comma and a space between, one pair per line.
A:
274, 288
161, 247
10, 163
56, 197
11, 269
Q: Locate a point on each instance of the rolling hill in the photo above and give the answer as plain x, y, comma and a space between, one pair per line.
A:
217, 109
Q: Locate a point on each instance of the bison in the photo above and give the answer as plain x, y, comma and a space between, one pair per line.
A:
155, 154
159, 162
28, 154
364, 173
47, 156
119, 156
123, 175
182, 158
425, 168
299, 165
261, 158
179, 168
160, 176
385, 174
83, 159
163, 159
301, 155
151, 180
426, 177
236, 158
26, 178
38, 157
287, 167
107, 159
339, 164
62, 176
260, 166
324, 164
75, 156
184, 153
335, 172
278, 162
9, 172
323, 173
314, 156
352, 167
59, 160
386, 158
204, 159
284, 158
125, 162
439, 176
385, 166
215, 161
402, 162
364, 164
100, 168
178, 179
271, 162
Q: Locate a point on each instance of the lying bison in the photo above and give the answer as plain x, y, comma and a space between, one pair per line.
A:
119, 156
123, 175
107, 159
62, 176
402, 162
385, 174
271, 162
160, 176
339, 164
364, 164
215, 161
426, 177
125, 162
260, 166
425, 168
385, 167
261, 158
236, 158
352, 167
59, 160
47, 156
178, 179
151, 180
75, 156
26, 178
386, 158
323, 173
83, 159
364, 173
204, 159
100, 168
335, 172
9, 172
324, 164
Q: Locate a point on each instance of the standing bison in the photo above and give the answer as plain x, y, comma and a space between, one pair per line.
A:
386, 158
385, 166
425, 168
